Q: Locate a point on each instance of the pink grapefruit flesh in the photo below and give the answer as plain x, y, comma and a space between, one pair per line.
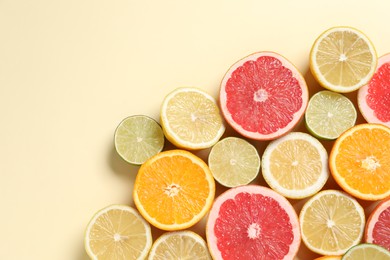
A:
252, 222
374, 98
263, 96
377, 229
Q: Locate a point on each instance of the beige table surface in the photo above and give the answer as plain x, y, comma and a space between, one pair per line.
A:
70, 71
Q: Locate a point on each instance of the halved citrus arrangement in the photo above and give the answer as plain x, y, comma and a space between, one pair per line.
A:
374, 98
343, 59
118, 232
263, 96
377, 229
250, 221
174, 190
191, 118
360, 161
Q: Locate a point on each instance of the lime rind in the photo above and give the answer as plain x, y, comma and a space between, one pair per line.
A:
137, 138
329, 114
234, 161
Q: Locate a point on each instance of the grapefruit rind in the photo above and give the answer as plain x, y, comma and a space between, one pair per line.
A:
301, 193
251, 189
367, 112
297, 116
314, 68
336, 175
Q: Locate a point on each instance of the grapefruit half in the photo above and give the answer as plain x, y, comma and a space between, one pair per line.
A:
374, 98
377, 229
252, 222
263, 96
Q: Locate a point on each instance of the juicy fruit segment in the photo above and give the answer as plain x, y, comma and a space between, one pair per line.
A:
331, 222
329, 114
343, 59
234, 161
367, 252
263, 96
377, 229
374, 98
191, 118
118, 232
360, 161
242, 225
137, 138
295, 165
179, 245
174, 189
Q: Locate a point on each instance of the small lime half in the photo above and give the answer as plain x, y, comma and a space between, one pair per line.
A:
234, 161
329, 114
137, 138
367, 251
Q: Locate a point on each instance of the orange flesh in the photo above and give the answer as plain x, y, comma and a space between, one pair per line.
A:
363, 161
173, 189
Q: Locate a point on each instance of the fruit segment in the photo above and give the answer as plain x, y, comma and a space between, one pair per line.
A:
374, 98
263, 96
248, 222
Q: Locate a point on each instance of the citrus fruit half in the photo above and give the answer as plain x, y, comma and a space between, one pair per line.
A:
367, 252
377, 229
118, 232
252, 222
374, 98
295, 165
191, 119
343, 59
234, 161
329, 114
360, 161
179, 245
137, 138
174, 189
331, 222
263, 96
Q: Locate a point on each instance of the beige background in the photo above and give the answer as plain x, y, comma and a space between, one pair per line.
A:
70, 71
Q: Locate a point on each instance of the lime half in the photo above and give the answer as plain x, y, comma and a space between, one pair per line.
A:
234, 161
329, 114
367, 251
137, 138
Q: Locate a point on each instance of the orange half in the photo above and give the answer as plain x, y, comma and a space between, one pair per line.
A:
174, 190
360, 161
